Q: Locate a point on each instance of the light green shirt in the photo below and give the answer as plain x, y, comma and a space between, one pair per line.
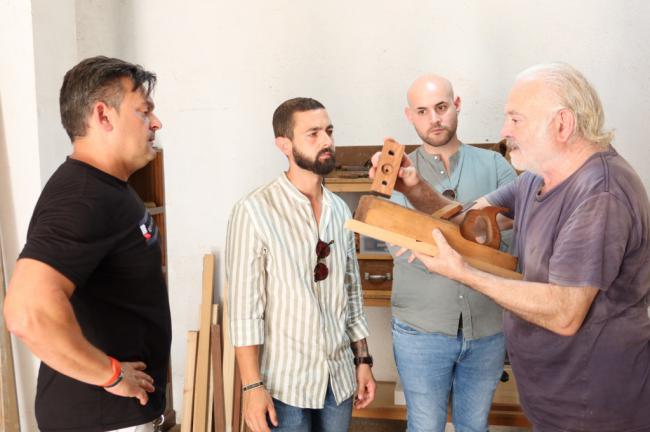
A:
433, 303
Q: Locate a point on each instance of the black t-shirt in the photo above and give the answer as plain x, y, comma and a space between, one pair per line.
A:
94, 229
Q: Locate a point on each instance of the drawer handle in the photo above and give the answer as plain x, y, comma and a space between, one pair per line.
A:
378, 278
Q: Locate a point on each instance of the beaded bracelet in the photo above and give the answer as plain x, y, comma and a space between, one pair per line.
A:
252, 386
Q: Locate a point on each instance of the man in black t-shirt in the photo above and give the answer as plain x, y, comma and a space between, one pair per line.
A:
88, 295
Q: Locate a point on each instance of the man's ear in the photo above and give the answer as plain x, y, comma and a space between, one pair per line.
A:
284, 144
102, 116
565, 124
409, 114
457, 103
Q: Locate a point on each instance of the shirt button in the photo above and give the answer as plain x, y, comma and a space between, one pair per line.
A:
436, 157
442, 172
460, 296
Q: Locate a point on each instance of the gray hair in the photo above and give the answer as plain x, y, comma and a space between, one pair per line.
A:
97, 79
576, 94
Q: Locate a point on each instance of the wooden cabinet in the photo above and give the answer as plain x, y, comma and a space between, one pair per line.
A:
376, 281
149, 183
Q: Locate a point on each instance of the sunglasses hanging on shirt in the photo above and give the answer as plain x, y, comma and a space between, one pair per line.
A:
322, 251
449, 193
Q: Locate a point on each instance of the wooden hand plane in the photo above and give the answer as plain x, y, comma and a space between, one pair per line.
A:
477, 239
479, 226
384, 220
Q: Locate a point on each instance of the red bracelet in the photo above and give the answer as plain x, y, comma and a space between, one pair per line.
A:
117, 370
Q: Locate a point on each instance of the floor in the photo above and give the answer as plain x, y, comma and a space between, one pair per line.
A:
369, 425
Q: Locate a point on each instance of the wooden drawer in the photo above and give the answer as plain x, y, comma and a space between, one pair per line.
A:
376, 274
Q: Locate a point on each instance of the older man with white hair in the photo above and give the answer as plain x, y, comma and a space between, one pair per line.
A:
577, 328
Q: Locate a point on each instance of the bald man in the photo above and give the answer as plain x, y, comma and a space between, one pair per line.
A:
447, 339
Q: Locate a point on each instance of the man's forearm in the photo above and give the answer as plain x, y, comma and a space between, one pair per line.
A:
360, 348
39, 313
64, 349
248, 362
424, 198
559, 309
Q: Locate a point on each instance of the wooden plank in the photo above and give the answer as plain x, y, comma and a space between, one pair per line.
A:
417, 227
421, 246
448, 211
237, 423
218, 407
201, 384
9, 421
374, 256
388, 167
349, 187
376, 298
228, 364
188, 388
215, 314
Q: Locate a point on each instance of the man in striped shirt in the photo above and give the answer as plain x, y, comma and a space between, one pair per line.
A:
295, 301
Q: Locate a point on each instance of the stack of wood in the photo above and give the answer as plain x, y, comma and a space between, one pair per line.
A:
212, 390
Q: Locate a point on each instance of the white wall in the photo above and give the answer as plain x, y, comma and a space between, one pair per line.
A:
223, 67
55, 50
19, 163
37, 46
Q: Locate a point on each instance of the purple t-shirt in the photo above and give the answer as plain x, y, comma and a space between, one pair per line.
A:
592, 230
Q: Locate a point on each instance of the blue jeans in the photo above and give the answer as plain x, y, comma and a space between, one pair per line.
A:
431, 365
330, 418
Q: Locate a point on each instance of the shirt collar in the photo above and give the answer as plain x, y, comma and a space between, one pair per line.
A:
293, 192
437, 159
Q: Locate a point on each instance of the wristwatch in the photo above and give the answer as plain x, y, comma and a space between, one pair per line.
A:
363, 360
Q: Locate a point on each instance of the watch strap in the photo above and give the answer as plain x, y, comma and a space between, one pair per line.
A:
363, 360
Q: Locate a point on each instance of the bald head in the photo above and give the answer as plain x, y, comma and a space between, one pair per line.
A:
429, 84
433, 111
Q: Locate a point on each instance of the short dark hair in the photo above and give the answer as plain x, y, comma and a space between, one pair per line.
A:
283, 116
97, 79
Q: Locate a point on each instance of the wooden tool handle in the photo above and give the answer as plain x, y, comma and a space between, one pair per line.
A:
481, 226
388, 167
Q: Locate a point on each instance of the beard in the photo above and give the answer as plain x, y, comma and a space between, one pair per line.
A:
316, 166
439, 140
530, 160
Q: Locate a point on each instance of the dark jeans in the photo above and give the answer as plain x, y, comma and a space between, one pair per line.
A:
330, 418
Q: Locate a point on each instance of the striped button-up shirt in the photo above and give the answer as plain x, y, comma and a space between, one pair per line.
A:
305, 327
